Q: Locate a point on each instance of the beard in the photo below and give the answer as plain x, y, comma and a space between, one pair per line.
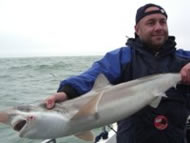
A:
155, 42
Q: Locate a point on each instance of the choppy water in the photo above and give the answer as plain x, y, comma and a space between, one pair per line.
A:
30, 80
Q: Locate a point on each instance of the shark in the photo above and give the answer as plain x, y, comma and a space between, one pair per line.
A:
104, 104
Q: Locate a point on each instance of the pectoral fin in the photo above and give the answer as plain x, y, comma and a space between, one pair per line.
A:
87, 136
3, 117
90, 108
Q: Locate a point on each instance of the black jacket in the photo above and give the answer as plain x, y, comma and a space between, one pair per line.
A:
165, 124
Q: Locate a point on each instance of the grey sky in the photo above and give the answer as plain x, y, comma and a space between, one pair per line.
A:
78, 27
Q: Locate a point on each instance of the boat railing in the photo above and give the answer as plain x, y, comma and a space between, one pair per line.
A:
49, 141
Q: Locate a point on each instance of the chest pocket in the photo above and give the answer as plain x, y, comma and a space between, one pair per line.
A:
147, 65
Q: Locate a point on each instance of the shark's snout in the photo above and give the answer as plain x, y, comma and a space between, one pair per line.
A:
3, 117
19, 125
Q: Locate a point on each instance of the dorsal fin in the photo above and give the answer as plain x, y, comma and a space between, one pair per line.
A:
101, 82
90, 108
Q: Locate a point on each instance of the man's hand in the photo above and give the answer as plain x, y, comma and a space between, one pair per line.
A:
185, 74
57, 97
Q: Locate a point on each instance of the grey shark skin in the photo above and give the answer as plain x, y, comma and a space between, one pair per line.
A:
103, 105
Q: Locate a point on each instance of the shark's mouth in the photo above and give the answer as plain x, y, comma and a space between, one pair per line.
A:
19, 125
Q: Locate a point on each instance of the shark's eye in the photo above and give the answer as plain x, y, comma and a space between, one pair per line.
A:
19, 125
30, 118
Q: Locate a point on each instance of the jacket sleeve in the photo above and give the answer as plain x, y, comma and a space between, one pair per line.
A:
109, 65
183, 53
186, 88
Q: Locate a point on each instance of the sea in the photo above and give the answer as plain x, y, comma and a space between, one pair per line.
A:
32, 80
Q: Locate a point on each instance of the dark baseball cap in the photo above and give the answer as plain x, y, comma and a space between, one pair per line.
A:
141, 11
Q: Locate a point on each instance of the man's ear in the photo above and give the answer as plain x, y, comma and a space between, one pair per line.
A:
136, 29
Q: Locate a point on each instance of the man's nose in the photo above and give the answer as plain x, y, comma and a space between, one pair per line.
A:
158, 26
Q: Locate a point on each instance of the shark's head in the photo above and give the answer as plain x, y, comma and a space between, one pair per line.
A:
14, 118
34, 125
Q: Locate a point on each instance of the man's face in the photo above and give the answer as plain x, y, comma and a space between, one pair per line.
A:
152, 29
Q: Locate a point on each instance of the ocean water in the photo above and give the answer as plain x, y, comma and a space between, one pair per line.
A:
31, 80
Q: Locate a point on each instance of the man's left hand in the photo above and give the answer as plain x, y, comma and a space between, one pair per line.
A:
185, 74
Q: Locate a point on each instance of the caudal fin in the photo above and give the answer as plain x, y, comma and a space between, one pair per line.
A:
3, 117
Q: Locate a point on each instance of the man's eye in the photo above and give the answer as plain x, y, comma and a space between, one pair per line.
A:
162, 22
150, 23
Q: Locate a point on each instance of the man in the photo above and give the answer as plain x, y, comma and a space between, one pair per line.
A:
152, 51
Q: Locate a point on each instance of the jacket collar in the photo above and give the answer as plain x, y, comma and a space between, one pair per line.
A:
168, 47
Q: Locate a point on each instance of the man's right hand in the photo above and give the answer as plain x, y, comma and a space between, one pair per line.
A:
57, 97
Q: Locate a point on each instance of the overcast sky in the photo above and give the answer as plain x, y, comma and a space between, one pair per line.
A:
79, 27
